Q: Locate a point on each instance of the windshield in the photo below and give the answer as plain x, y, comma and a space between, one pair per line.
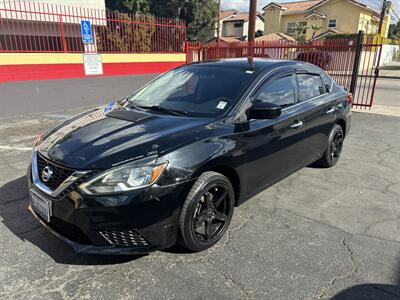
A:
194, 90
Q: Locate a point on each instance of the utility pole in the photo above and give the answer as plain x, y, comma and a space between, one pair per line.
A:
218, 22
252, 21
252, 26
383, 13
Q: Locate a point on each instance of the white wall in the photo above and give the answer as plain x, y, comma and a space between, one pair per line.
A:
37, 10
387, 53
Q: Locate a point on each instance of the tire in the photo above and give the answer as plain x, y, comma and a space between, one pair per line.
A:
206, 212
335, 145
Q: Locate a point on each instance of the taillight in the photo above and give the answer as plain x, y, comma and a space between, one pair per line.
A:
350, 98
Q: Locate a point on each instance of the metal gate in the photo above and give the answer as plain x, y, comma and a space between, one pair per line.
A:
352, 62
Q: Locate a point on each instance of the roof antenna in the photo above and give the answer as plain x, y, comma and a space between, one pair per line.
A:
250, 60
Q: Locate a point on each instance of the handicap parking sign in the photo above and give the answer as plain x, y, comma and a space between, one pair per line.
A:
86, 30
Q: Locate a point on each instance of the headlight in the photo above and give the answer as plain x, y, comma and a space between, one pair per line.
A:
124, 178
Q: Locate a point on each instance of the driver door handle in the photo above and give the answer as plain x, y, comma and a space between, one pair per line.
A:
331, 110
297, 124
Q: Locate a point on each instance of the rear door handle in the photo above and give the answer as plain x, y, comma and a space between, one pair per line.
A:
297, 124
331, 110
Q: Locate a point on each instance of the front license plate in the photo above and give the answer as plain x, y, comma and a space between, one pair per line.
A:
41, 206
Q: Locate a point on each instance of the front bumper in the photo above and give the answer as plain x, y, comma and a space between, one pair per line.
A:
147, 220
90, 249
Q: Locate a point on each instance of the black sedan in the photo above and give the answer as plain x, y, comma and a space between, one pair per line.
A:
170, 162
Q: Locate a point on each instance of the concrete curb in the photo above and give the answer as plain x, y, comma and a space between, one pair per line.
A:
383, 110
389, 77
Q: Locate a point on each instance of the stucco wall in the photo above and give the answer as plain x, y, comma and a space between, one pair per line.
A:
272, 21
349, 19
346, 15
230, 30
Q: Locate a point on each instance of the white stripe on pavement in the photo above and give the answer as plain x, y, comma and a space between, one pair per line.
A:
59, 116
16, 148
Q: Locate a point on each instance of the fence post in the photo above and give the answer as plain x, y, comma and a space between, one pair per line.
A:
187, 51
62, 35
357, 58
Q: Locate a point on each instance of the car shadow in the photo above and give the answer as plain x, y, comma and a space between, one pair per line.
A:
372, 291
369, 292
14, 214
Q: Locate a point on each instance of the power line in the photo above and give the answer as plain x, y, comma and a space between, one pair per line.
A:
394, 12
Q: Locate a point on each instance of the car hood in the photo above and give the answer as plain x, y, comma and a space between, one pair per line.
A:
104, 137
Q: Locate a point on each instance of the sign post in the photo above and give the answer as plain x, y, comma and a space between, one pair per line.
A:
91, 61
86, 31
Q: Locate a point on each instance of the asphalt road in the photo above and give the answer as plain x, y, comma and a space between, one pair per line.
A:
318, 234
32, 97
388, 92
21, 98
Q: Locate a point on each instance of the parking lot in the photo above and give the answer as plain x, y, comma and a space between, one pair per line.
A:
320, 233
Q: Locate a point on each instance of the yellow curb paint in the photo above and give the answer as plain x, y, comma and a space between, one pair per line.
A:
77, 58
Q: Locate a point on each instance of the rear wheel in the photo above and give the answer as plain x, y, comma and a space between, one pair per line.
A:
207, 212
335, 145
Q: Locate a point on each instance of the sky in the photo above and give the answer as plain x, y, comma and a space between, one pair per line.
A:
243, 5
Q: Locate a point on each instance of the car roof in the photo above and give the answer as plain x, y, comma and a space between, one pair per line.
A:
259, 63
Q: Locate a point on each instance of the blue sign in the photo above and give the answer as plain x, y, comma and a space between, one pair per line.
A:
86, 30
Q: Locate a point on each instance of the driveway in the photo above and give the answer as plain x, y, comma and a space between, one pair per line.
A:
317, 234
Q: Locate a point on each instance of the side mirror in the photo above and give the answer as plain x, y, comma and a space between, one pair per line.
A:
264, 110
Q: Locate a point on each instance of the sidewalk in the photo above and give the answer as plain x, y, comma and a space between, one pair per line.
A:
391, 70
387, 95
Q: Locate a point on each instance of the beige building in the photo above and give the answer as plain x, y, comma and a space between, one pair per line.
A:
235, 24
331, 16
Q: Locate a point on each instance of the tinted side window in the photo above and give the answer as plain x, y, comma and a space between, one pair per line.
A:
327, 80
279, 92
310, 86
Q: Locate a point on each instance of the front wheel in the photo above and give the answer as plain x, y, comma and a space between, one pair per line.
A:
206, 212
335, 145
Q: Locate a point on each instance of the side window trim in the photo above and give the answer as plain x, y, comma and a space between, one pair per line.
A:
246, 100
316, 72
270, 80
310, 72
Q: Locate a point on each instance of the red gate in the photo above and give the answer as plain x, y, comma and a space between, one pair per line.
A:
350, 62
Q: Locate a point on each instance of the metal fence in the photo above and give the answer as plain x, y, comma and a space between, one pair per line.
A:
27, 26
336, 56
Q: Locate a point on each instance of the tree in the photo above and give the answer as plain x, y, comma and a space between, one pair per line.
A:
259, 33
300, 32
394, 31
199, 15
314, 28
129, 6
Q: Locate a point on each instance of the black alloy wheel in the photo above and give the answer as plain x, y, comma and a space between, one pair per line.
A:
207, 212
335, 145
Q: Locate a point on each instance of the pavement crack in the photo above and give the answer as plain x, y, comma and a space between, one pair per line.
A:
351, 275
239, 227
248, 294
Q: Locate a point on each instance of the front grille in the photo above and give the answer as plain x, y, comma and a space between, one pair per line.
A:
75, 185
128, 238
60, 174
69, 231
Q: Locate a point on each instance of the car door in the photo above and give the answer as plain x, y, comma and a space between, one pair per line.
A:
318, 107
273, 146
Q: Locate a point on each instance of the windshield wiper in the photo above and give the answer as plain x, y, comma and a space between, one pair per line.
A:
171, 111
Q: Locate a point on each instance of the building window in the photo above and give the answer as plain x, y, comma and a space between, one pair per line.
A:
291, 26
332, 23
238, 25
